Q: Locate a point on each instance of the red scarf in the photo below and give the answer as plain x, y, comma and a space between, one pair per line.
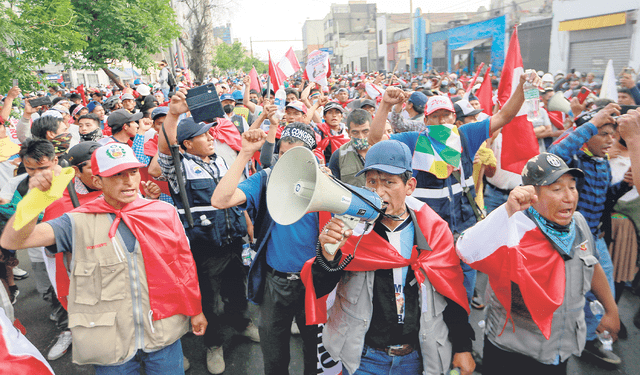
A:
226, 132
335, 141
441, 265
171, 271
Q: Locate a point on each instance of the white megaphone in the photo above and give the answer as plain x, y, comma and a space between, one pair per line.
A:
298, 186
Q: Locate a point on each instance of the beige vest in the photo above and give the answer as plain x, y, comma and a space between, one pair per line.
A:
109, 313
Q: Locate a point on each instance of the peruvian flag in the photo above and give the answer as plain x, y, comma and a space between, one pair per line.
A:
524, 256
519, 143
17, 354
289, 63
276, 74
473, 82
255, 81
484, 94
318, 68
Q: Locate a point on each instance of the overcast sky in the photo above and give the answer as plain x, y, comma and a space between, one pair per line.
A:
283, 19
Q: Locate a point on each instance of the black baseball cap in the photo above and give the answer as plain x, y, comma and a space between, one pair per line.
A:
82, 152
332, 105
545, 169
118, 118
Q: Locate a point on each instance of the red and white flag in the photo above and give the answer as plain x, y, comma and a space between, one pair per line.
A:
519, 143
524, 256
17, 354
276, 75
255, 81
289, 63
473, 82
485, 95
318, 68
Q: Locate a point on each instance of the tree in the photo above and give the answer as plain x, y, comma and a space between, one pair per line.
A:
232, 57
131, 30
80, 33
33, 33
197, 38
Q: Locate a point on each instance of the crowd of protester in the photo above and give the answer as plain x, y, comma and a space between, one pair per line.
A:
220, 248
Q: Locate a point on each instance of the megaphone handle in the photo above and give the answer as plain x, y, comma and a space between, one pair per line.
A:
350, 222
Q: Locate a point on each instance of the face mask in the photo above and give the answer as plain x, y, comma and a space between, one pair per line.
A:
254, 101
92, 136
228, 108
360, 143
445, 83
61, 142
452, 90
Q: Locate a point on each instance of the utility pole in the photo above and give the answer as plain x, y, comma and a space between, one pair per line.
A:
411, 39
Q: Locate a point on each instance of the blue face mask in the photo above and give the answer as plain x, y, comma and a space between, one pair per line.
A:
452, 90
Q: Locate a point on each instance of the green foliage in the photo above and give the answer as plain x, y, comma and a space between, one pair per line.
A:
33, 33
233, 57
80, 33
131, 30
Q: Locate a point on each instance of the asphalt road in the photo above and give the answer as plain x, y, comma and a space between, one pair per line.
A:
244, 357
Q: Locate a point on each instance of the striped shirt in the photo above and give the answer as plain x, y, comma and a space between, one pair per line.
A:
594, 188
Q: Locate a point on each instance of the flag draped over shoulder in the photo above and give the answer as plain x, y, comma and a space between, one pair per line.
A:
17, 354
171, 270
440, 265
524, 256
438, 150
519, 143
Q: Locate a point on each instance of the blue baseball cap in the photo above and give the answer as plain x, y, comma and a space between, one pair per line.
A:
391, 156
159, 111
224, 97
237, 96
418, 99
188, 128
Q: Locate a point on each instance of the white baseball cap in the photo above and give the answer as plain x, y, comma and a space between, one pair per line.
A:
113, 158
437, 102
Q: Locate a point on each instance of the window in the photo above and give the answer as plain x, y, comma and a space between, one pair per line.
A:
93, 79
380, 37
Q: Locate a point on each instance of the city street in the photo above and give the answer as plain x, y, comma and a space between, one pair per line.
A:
244, 357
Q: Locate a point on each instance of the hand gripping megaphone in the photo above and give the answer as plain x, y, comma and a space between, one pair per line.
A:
298, 186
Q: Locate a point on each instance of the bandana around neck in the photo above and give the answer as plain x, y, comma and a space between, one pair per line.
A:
561, 235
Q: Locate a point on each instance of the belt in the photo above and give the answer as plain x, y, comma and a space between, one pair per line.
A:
292, 276
503, 191
397, 350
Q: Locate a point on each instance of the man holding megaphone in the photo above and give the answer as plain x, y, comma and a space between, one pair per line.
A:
400, 305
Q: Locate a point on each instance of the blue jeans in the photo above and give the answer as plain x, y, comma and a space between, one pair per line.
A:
493, 198
469, 280
377, 362
602, 253
167, 360
165, 92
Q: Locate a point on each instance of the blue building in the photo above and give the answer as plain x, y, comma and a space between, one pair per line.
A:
462, 47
